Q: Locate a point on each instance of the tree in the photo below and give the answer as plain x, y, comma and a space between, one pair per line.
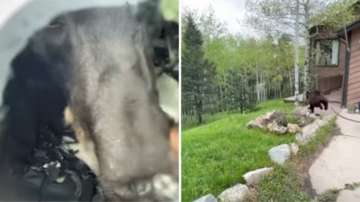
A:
197, 72
226, 72
290, 17
337, 16
210, 27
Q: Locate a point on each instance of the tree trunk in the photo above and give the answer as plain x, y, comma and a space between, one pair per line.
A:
257, 85
307, 85
199, 111
296, 54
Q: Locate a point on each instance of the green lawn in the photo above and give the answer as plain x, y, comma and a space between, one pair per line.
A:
217, 154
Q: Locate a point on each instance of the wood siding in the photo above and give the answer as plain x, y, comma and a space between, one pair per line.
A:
353, 95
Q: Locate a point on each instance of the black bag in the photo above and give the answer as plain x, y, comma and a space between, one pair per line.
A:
54, 174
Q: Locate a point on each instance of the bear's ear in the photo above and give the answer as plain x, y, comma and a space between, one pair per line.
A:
149, 13
26, 62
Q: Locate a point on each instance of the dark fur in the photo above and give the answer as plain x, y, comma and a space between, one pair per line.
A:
99, 62
315, 99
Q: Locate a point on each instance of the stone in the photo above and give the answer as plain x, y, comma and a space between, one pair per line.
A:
294, 148
300, 138
349, 195
304, 120
237, 193
293, 128
312, 116
255, 176
206, 198
300, 111
257, 123
264, 120
309, 131
302, 116
276, 128
280, 154
279, 118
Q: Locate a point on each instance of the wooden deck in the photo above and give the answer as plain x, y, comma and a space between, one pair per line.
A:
334, 97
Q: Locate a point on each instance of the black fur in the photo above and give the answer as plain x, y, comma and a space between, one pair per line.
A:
315, 99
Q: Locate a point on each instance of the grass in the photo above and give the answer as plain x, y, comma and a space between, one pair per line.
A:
285, 184
282, 185
321, 138
207, 118
217, 154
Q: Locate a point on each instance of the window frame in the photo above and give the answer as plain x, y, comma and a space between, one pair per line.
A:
339, 49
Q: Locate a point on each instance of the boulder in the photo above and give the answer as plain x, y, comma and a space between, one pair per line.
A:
259, 122
300, 111
276, 128
237, 193
280, 154
254, 177
206, 198
294, 148
293, 128
302, 116
349, 195
309, 131
264, 120
278, 117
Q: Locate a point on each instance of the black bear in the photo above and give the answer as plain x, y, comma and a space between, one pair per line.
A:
315, 99
98, 64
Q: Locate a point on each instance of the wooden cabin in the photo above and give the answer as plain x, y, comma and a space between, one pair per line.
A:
337, 71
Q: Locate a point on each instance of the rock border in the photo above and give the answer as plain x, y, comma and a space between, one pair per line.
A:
281, 153
240, 192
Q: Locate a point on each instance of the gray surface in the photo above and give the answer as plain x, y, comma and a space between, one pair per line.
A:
207, 198
339, 164
280, 154
237, 193
349, 196
255, 176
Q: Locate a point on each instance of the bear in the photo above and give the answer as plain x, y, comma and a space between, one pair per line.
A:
92, 70
315, 99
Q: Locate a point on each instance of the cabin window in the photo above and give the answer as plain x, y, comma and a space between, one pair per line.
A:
327, 52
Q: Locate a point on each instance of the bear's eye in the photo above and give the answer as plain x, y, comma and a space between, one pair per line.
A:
56, 24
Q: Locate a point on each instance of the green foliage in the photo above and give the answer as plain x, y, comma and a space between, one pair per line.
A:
337, 15
216, 155
197, 72
170, 9
210, 26
270, 59
238, 94
241, 72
